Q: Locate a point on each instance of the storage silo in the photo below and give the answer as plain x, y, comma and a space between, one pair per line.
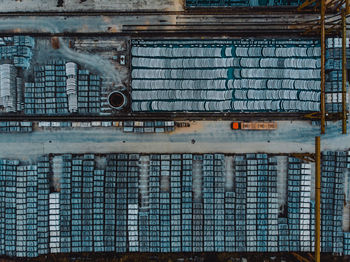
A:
117, 100
71, 86
71, 69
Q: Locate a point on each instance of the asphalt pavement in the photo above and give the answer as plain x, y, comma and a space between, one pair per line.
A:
201, 137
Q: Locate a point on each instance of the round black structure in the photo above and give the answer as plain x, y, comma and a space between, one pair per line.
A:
117, 100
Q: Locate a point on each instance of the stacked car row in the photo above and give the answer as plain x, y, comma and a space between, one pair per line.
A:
176, 52
179, 73
235, 3
16, 127
173, 203
173, 63
164, 78
268, 105
332, 203
89, 93
347, 243
24, 218
185, 62
256, 175
183, 95
191, 106
148, 126
17, 49
300, 221
236, 50
48, 94
253, 94
215, 84
334, 73
227, 105
277, 73
291, 51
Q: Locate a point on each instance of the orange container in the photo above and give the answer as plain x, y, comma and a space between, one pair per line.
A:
235, 125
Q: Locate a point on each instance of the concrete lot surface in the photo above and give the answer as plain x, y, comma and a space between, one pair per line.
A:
208, 136
88, 5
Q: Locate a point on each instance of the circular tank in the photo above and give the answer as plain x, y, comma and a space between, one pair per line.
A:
117, 100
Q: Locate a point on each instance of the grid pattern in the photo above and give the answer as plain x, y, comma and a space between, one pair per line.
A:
237, 3
232, 76
334, 74
299, 205
332, 189
18, 49
166, 203
16, 127
43, 204
89, 93
48, 93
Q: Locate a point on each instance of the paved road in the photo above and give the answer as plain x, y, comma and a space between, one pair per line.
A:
114, 24
209, 137
88, 5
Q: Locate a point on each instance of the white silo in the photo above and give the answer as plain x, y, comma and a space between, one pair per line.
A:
73, 103
8, 88
71, 69
71, 86
117, 99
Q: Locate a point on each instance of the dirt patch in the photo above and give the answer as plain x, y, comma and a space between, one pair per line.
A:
106, 19
177, 5
195, 126
113, 29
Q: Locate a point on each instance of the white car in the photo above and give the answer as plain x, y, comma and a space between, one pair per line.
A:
122, 60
